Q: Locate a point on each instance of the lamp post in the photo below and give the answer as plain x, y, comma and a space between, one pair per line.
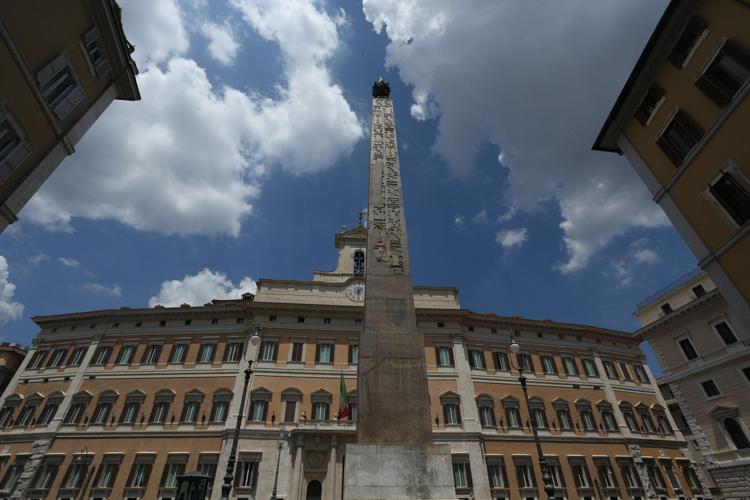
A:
226, 488
280, 445
549, 487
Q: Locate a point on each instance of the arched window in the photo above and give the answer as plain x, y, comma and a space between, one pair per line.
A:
736, 434
359, 262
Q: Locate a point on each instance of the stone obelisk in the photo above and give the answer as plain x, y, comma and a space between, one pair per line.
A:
394, 457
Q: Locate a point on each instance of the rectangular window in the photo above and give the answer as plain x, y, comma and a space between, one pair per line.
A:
671, 476
57, 358
664, 426
548, 365
558, 480
461, 475
27, 413
37, 359
746, 373
513, 416
648, 422
569, 364
233, 352
688, 349
501, 361
451, 414
525, 362
726, 333
610, 423
630, 421
219, 411
353, 354
496, 474
13, 149
101, 412
107, 475
732, 196
268, 350
640, 372
726, 74
610, 370
290, 411
606, 475
206, 353
59, 85
5, 415
563, 418
171, 471
77, 357
248, 474
650, 104
486, 416
207, 467
525, 476
13, 473
687, 41
130, 412
99, 63
75, 414
159, 412
151, 354
539, 418
190, 412
297, 348
666, 308
320, 410
587, 420
139, 475
76, 473
444, 355
625, 372
654, 475
710, 388
629, 475
691, 477
590, 367
258, 410
580, 475
324, 353
46, 476
699, 291
102, 354
47, 414
126, 355
177, 356
679, 137
476, 359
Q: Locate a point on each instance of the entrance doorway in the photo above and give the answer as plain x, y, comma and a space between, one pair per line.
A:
314, 490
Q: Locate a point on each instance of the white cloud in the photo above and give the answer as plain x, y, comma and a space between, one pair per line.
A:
458, 221
222, 44
37, 259
9, 310
99, 289
480, 217
156, 29
641, 254
622, 273
542, 81
200, 288
68, 262
190, 158
512, 238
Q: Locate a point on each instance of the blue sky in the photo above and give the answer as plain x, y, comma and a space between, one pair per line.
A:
249, 151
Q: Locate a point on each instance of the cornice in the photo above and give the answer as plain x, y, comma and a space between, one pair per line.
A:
694, 306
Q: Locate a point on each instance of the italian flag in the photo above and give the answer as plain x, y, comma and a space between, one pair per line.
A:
343, 400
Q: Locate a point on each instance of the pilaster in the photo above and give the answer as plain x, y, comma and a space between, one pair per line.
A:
611, 397
469, 411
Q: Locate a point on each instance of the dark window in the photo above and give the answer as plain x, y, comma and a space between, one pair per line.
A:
699, 291
693, 31
37, 359
688, 349
733, 197
746, 372
151, 354
77, 358
359, 262
710, 388
666, 308
476, 359
736, 434
648, 106
525, 362
272, 317
444, 355
679, 137
215, 321
297, 351
233, 352
726, 74
725, 333
300, 319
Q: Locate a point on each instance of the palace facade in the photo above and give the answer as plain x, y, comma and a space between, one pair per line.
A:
118, 403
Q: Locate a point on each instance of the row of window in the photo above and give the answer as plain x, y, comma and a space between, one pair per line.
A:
65, 356
720, 81
527, 479
722, 329
105, 475
585, 420
133, 411
547, 362
324, 352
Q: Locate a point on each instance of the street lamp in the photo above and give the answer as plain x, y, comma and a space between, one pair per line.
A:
549, 487
280, 444
226, 488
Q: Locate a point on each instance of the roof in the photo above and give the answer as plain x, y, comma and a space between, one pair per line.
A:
658, 46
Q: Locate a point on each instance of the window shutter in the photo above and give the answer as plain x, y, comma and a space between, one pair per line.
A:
275, 351
265, 410
670, 150
333, 351
328, 411
317, 353
445, 415
350, 354
450, 355
437, 355
713, 91
255, 466
492, 416
458, 413
519, 476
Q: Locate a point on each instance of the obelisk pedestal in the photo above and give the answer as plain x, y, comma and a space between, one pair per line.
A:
394, 457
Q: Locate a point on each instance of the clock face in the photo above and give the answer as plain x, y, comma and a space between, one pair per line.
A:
356, 291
